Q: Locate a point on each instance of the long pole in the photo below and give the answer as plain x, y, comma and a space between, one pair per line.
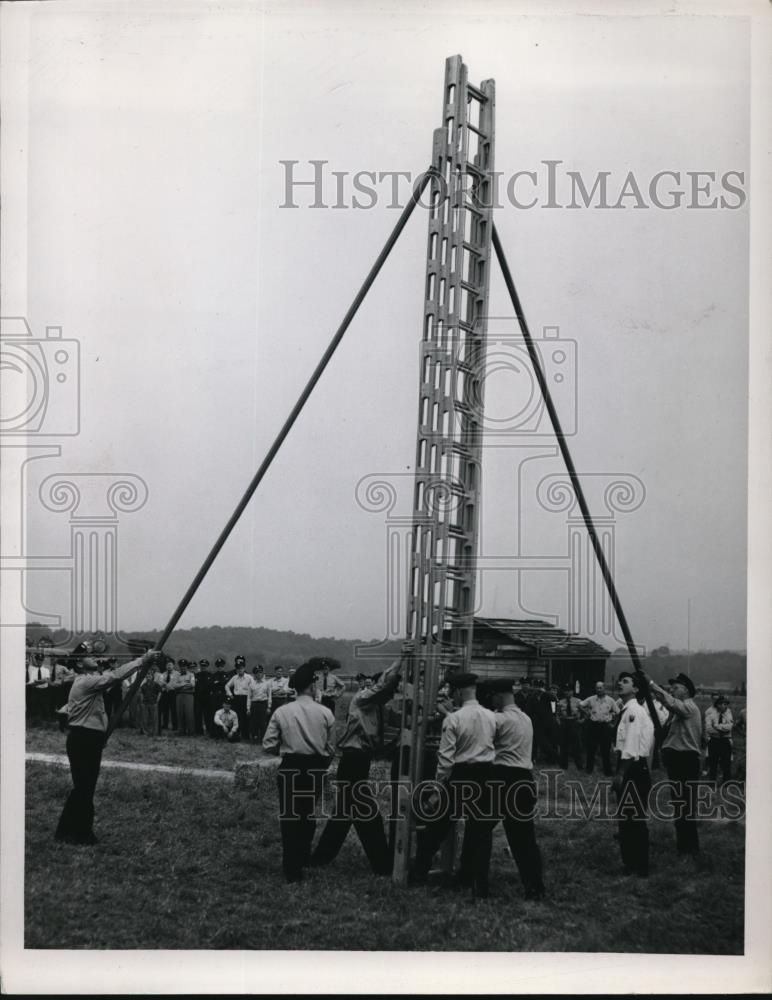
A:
273, 450
577, 486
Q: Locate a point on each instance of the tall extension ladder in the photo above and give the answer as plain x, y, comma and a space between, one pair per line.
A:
448, 450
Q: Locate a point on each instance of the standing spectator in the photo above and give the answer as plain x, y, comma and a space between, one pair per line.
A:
167, 705
681, 755
38, 679
148, 698
718, 730
328, 687
361, 739
280, 689
184, 686
634, 742
299, 732
226, 722
200, 696
513, 774
259, 704
465, 766
569, 714
238, 689
600, 710
217, 682
85, 739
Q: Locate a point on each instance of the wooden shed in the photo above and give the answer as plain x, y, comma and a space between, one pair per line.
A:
502, 646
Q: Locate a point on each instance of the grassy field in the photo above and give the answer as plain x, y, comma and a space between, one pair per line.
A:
187, 862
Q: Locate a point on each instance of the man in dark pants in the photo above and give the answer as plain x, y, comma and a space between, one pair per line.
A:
85, 739
300, 732
201, 696
514, 788
718, 730
465, 768
217, 682
600, 711
166, 678
681, 755
569, 729
634, 744
362, 737
239, 688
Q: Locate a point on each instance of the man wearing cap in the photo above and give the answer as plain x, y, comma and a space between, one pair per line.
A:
681, 755
328, 687
515, 789
217, 682
300, 733
634, 744
201, 696
238, 689
600, 710
718, 730
259, 703
361, 739
167, 705
465, 767
88, 720
280, 688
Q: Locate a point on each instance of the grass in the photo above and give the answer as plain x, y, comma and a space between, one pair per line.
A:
185, 862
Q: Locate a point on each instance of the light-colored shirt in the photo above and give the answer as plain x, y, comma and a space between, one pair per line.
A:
239, 686
635, 733
513, 742
467, 738
39, 676
576, 712
328, 686
685, 732
600, 709
86, 706
227, 719
302, 726
260, 690
183, 683
280, 687
166, 679
365, 723
718, 724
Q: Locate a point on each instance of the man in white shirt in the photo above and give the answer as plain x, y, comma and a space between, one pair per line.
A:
259, 704
600, 710
238, 688
465, 767
634, 744
38, 679
280, 688
183, 684
718, 730
516, 798
226, 722
328, 687
300, 732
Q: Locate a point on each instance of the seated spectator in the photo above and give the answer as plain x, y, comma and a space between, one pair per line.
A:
226, 723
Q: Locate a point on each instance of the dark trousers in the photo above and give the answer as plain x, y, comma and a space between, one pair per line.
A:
683, 768
470, 795
355, 804
199, 713
299, 782
719, 755
258, 720
167, 709
599, 738
328, 703
570, 741
240, 708
84, 751
632, 817
516, 800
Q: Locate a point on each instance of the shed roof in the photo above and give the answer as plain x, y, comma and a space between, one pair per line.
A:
544, 639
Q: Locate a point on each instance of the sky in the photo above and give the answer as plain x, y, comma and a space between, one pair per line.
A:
158, 236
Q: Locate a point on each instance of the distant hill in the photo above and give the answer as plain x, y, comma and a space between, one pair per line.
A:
270, 647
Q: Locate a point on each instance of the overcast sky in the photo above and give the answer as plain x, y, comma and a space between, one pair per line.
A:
156, 236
